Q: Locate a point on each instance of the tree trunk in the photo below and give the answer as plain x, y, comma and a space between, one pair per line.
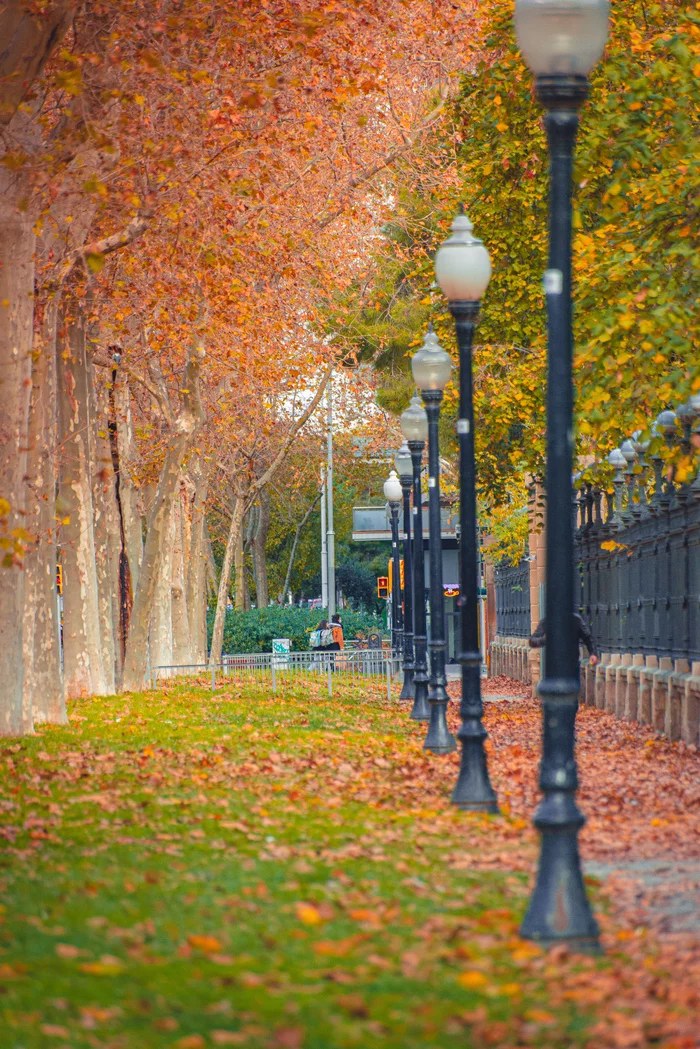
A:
234, 543
182, 636
187, 423
262, 527
16, 309
107, 545
160, 635
196, 581
43, 678
82, 641
239, 569
129, 496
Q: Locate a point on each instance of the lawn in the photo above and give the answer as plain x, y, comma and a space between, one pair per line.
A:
186, 869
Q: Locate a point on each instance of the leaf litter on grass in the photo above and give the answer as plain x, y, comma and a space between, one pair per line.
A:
190, 859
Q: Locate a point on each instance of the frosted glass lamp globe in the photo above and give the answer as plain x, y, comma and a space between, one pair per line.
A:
629, 451
403, 461
561, 36
462, 264
392, 488
617, 459
414, 421
431, 366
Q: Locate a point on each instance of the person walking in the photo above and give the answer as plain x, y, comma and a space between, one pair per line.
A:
583, 631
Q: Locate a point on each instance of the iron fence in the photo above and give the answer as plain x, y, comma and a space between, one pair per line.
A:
281, 672
513, 600
639, 569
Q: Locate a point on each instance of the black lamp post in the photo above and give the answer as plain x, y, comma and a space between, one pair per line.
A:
432, 368
404, 468
561, 41
463, 269
414, 425
392, 490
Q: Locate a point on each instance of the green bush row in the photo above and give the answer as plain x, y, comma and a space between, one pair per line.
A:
253, 631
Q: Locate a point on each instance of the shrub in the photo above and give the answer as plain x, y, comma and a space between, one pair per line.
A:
253, 631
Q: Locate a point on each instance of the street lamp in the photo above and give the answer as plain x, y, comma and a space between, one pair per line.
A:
392, 490
463, 269
561, 41
404, 468
432, 368
414, 426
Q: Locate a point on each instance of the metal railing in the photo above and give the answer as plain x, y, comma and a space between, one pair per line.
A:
639, 569
283, 671
513, 600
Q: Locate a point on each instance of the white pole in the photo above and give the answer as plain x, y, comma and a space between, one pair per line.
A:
324, 546
329, 489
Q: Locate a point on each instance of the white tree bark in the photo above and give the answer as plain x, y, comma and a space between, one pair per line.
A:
82, 642
262, 527
160, 635
44, 697
182, 637
233, 542
16, 307
197, 567
187, 424
107, 543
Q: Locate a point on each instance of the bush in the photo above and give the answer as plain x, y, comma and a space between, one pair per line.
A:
253, 631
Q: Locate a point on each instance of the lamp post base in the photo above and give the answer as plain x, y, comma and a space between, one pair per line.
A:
421, 707
439, 739
473, 791
408, 690
559, 910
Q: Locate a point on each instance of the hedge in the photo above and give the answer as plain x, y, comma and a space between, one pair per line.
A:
253, 631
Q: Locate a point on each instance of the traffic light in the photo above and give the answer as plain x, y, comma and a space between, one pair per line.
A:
391, 575
382, 586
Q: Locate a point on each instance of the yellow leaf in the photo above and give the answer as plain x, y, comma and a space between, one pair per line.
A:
102, 968
501, 126
308, 914
628, 246
540, 1016
626, 320
472, 980
208, 944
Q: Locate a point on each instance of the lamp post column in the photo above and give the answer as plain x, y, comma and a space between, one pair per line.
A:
439, 738
408, 690
396, 635
559, 910
421, 708
473, 790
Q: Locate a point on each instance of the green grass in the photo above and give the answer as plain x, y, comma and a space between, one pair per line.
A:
187, 869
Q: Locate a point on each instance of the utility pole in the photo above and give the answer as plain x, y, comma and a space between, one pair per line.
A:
324, 546
329, 490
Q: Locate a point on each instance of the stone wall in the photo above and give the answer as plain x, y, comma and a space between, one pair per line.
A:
657, 692
662, 693
513, 657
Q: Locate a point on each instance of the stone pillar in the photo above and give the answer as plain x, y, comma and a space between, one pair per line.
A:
674, 700
646, 680
600, 672
632, 698
610, 676
659, 693
621, 684
690, 707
